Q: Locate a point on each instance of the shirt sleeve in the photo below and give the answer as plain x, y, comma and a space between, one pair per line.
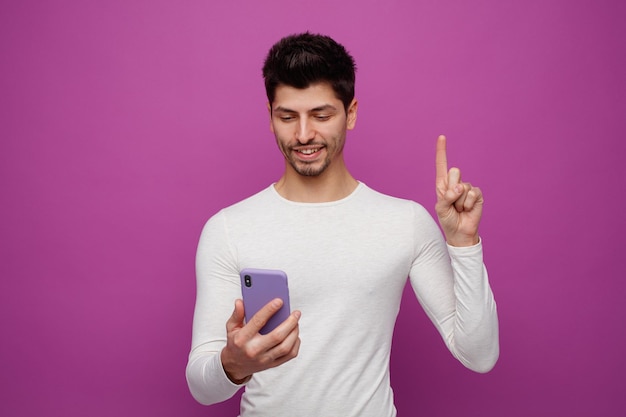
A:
217, 286
452, 285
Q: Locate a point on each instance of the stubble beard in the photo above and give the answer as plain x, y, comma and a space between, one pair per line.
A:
313, 169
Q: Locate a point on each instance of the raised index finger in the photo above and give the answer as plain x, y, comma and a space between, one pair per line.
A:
441, 160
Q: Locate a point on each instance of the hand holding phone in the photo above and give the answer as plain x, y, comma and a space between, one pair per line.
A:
247, 351
259, 287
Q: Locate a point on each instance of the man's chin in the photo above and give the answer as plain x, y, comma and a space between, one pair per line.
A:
309, 170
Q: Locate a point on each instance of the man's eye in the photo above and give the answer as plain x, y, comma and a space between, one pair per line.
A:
322, 117
286, 118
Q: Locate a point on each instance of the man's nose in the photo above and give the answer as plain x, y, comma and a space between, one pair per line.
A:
304, 131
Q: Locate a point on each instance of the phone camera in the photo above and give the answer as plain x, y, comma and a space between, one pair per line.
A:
247, 280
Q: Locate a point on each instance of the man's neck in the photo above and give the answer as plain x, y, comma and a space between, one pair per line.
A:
317, 189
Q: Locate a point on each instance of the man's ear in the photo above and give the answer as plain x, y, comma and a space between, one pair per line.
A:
352, 113
269, 110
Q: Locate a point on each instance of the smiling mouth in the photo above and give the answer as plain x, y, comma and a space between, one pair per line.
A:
308, 151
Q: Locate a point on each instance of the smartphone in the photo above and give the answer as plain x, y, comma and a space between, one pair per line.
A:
259, 287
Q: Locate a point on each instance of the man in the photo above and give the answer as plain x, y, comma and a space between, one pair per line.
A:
347, 251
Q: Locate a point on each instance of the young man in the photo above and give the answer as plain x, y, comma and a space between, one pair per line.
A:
347, 251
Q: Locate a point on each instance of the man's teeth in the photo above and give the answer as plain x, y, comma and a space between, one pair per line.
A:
308, 151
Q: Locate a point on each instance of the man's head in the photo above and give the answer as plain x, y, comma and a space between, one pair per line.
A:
302, 60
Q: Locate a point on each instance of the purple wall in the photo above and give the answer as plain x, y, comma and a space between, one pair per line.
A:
124, 125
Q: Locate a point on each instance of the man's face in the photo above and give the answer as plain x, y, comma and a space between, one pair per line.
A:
310, 126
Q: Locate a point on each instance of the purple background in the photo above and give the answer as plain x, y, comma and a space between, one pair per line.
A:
124, 125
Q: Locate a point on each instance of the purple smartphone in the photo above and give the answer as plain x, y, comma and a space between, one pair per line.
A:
259, 287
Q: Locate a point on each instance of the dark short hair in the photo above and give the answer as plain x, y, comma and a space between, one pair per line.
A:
304, 59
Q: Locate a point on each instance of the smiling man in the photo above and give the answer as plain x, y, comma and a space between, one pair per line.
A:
347, 250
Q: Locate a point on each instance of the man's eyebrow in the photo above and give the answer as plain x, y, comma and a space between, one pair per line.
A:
283, 109
324, 107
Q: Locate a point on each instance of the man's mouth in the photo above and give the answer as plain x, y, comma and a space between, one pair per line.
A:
308, 151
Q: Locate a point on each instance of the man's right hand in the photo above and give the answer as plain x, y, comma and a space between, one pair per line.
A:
247, 351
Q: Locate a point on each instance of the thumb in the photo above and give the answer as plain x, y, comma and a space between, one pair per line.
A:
236, 319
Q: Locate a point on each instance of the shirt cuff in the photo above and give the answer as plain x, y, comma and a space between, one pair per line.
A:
466, 251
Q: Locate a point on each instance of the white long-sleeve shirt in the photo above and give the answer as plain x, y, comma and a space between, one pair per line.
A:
347, 262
